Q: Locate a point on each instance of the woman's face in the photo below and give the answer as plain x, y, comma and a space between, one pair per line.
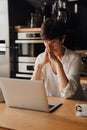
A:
54, 45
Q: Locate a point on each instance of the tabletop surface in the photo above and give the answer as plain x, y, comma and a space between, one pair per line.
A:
83, 79
63, 118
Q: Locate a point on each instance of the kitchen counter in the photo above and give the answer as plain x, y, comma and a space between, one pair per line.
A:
83, 79
26, 29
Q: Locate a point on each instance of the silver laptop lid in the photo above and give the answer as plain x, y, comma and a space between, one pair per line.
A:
29, 94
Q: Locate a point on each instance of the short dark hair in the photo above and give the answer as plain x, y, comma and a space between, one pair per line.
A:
53, 29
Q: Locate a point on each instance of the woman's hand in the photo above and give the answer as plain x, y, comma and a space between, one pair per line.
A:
45, 59
54, 61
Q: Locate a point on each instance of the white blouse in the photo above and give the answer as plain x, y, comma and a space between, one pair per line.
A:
71, 63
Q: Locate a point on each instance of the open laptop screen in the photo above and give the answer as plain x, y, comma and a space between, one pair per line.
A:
29, 94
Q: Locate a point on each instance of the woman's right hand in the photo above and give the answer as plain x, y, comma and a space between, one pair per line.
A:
45, 59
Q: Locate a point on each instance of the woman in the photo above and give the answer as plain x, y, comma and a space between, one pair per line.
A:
58, 66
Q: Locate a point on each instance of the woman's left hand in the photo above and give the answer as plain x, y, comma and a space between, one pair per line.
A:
54, 61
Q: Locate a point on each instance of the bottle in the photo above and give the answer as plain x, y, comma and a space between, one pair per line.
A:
60, 4
55, 9
44, 11
32, 21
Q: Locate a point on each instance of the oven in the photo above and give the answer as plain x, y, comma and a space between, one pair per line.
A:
29, 46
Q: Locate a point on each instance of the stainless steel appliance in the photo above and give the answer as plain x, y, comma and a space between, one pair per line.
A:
4, 40
83, 54
84, 63
29, 45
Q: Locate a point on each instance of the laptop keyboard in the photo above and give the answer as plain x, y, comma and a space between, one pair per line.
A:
50, 106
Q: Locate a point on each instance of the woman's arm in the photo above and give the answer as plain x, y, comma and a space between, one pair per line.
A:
67, 83
73, 79
37, 72
40, 62
62, 78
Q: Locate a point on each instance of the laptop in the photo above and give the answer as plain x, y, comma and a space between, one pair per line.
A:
28, 94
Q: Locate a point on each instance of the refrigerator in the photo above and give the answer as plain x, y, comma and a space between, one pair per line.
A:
4, 40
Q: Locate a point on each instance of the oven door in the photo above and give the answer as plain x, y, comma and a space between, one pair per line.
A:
30, 48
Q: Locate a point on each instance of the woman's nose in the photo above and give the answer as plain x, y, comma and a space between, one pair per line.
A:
48, 43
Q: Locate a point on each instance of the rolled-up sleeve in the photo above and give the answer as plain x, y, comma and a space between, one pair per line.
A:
73, 76
38, 60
